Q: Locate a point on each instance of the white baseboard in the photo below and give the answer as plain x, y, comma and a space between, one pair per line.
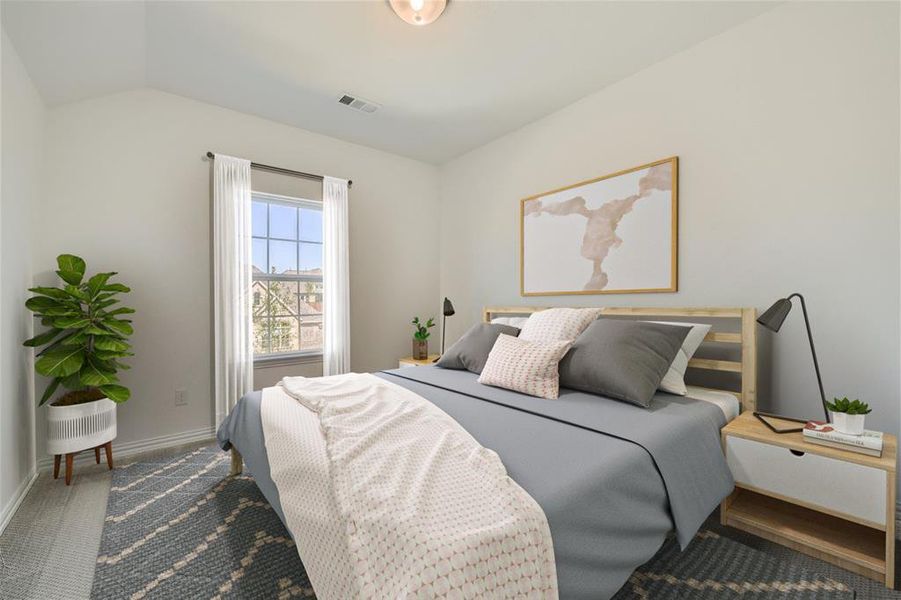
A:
10, 509
146, 445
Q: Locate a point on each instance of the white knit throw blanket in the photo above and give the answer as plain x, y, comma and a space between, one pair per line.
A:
415, 507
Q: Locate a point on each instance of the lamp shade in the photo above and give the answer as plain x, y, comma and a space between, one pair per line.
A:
775, 315
418, 12
448, 308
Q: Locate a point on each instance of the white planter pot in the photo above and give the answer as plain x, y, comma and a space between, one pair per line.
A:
845, 423
81, 426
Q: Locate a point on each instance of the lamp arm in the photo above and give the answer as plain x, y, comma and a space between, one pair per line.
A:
443, 330
813, 352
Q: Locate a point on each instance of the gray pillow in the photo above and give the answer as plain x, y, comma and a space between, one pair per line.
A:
471, 351
621, 359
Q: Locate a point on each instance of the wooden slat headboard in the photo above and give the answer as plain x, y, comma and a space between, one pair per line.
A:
745, 338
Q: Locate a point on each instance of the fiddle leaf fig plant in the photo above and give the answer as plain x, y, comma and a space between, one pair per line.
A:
86, 338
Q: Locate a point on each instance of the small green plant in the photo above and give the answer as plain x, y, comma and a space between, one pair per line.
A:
422, 329
85, 338
850, 407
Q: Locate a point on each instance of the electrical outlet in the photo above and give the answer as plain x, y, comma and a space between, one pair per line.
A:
181, 397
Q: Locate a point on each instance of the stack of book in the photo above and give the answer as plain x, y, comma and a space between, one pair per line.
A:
869, 442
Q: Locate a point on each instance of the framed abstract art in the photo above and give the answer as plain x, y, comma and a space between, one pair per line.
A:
616, 234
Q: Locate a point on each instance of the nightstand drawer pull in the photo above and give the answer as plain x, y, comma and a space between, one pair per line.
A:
837, 486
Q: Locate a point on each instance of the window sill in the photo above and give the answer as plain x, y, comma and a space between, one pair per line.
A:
283, 360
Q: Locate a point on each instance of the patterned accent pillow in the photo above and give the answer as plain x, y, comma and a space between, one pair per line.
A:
471, 351
558, 324
523, 366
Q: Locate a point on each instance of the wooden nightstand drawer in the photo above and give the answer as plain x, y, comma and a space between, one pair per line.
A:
835, 505
816, 481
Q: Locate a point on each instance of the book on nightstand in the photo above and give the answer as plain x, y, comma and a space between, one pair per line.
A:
818, 432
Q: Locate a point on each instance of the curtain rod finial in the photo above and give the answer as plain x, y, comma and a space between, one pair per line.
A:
210, 155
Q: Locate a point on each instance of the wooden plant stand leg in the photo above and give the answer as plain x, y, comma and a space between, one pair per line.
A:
108, 448
69, 467
237, 462
97, 455
56, 458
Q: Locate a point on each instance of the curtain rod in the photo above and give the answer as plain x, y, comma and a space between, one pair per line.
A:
282, 171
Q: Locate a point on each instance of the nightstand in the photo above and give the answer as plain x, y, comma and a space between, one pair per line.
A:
409, 361
835, 505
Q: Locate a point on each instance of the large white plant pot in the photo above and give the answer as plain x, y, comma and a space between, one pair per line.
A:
80, 427
850, 424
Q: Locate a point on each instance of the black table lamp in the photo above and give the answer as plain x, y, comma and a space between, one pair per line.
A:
772, 319
447, 312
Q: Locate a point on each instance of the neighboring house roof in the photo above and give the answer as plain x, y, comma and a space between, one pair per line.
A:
305, 308
291, 272
310, 308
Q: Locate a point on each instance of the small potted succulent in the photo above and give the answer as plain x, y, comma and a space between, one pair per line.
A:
81, 349
848, 415
421, 338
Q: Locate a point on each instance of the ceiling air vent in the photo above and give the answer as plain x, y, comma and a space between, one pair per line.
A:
358, 103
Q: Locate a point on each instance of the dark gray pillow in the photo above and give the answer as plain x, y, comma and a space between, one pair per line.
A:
621, 359
471, 351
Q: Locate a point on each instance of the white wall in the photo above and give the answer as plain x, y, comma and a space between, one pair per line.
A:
787, 129
22, 125
128, 190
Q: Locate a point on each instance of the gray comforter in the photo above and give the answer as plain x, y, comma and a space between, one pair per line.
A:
612, 478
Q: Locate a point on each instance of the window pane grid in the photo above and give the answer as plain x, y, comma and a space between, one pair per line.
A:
278, 239
287, 302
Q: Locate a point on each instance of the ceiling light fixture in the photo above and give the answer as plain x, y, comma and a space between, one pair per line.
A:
418, 12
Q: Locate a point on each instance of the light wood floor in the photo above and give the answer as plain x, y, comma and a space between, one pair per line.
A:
49, 549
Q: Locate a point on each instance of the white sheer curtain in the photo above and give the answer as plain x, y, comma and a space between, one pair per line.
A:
335, 278
232, 326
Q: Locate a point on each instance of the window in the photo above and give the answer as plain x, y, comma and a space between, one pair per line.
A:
287, 276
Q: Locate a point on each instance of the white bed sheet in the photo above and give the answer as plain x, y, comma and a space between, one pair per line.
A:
725, 401
517, 322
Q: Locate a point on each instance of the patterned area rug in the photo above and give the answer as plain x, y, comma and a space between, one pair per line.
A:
181, 528
717, 568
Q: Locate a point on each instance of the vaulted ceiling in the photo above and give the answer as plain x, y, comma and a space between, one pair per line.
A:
482, 70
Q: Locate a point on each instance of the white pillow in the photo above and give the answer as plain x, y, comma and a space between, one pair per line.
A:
558, 324
523, 366
674, 380
517, 322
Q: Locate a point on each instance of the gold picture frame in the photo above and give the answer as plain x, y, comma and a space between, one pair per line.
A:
597, 271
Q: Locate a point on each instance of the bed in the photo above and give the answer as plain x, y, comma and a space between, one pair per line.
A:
614, 480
